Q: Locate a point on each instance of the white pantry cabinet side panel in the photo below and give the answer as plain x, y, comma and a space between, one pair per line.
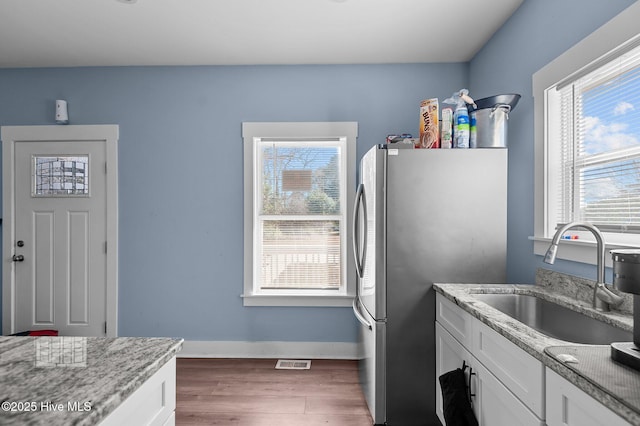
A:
454, 319
569, 406
520, 372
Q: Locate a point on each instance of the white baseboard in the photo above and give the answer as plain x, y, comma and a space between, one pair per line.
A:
295, 350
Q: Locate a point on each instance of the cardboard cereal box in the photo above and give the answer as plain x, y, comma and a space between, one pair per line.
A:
429, 126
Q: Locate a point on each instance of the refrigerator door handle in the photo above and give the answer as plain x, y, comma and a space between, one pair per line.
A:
359, 316
360, 201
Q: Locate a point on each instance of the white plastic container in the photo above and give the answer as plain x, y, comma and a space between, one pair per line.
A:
461, 128
446, 138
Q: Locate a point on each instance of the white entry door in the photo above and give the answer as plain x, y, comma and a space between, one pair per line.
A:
59, 241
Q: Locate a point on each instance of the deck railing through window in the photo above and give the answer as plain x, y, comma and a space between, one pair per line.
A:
312, 263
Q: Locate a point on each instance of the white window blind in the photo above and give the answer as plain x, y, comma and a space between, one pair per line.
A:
599, 135
300, 217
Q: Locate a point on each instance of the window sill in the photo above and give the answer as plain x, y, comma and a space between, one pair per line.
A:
576, 250
304, 301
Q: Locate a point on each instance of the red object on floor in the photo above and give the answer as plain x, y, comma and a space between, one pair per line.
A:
37, 333
43, 333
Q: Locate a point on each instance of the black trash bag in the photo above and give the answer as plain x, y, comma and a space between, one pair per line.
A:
455, 404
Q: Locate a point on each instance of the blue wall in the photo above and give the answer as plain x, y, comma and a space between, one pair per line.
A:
538, 32
180, 165
180, 158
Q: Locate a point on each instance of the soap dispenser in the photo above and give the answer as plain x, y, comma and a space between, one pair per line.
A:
626, 278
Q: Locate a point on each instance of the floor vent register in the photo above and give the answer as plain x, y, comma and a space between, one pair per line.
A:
293, 364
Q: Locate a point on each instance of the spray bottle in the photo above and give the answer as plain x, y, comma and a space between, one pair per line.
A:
473, 136
461, 127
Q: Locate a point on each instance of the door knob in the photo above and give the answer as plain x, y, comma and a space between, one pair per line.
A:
18, 258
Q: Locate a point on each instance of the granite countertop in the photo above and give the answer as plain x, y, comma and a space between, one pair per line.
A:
595, 364
74, 380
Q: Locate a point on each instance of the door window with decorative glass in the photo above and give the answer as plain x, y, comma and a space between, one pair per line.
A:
60, 176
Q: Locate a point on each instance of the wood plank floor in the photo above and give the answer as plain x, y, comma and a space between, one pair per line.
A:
251, 392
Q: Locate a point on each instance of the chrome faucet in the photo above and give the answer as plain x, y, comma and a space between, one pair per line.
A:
603, 298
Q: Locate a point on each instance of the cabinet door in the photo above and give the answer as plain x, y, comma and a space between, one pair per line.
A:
569, 406
493, 404
519, 371
497, 406
152, 404
449, 355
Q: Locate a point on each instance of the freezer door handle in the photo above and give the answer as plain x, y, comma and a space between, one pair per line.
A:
361, 200
359, 316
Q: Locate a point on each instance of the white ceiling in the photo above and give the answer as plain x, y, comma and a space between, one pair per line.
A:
63, 33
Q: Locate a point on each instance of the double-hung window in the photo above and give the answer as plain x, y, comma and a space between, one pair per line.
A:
299, 180
596, 147
589, 151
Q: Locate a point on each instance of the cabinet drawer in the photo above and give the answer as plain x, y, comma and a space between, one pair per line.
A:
569, 406
519, 371
455, 320
498, 406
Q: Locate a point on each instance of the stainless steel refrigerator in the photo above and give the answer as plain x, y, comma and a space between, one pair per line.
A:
421, 216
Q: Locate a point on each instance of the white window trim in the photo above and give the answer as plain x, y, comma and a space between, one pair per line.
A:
252, 130
611, 35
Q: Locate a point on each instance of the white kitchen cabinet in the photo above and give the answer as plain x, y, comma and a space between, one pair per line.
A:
497, 405
494, 403
450, 354
569, 406
152, 404
454, 320
519, 371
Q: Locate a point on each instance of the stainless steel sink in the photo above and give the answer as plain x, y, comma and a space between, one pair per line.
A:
555, 320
